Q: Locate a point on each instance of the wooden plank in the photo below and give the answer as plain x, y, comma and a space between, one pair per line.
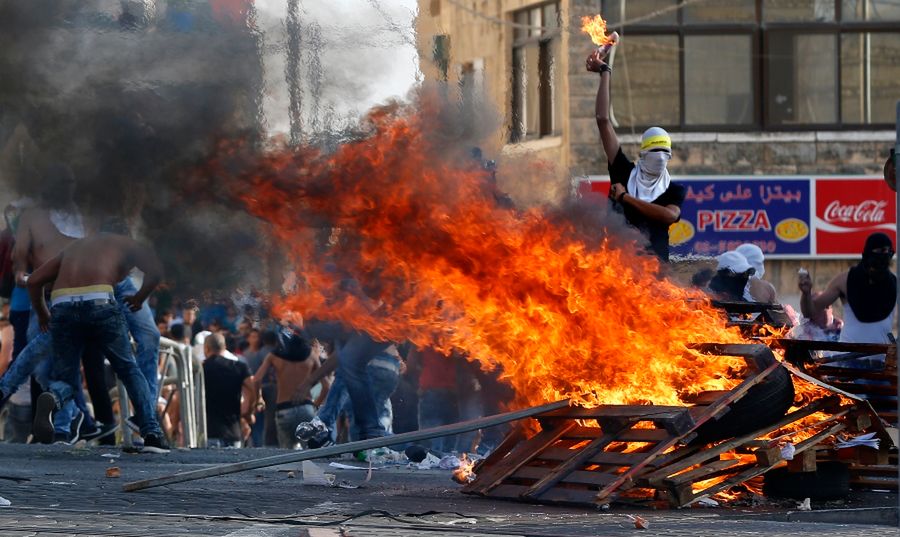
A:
511, 440
350, 447
578, 477
707, 454
605, 458
866, 389
708, 397
629, 412
521, 455
705, 471
574, 462
872, 348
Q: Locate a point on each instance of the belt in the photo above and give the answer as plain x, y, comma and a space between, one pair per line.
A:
97, 299
284, 405
385, 364
105, 289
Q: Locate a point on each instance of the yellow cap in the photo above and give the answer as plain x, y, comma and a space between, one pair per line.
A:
655, 138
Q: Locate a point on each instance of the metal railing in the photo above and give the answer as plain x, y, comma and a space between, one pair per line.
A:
189, 384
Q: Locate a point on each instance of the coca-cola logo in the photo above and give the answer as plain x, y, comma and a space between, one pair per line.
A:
865, 212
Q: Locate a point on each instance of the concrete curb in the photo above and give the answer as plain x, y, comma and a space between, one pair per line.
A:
881, 516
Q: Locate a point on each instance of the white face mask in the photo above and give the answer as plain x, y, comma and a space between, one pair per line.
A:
654, 162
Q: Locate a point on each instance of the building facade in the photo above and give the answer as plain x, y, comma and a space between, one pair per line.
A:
789, 89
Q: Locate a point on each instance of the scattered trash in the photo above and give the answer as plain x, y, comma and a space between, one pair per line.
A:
449, 462
867, 440
291, 474
804, 505
110, 455
640, 523
342, 466
464, 474
113, 472
346, 485
60, 483
313, 475
4, 502
383, 456
788, 451
706, 502
430, 462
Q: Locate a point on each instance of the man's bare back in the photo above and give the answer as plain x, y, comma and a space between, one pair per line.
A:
37, 241
290, 375
104, 258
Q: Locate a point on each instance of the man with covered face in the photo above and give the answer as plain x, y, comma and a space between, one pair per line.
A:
643, 190
867, 290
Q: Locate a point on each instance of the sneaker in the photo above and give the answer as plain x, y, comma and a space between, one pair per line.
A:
77, 422
155, 444
133, 424
61, 439
313, 430
100, 432
42, 427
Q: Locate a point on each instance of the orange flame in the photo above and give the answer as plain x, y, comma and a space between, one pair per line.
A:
441, 264
464, 473
596, 28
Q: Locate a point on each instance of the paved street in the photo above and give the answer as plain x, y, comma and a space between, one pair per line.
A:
59, 490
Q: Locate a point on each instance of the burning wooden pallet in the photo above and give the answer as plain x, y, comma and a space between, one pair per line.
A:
649, 447
752, 317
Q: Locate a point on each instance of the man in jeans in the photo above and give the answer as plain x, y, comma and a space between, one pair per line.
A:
84, 310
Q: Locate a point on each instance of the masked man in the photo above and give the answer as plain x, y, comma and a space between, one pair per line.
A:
646, 194
868, 292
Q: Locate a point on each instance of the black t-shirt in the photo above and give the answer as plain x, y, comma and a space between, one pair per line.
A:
223, 379
658, 233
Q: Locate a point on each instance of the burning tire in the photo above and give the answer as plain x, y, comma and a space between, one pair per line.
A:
830, 481
762, 405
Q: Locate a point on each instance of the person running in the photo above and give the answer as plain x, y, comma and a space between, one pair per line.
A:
83, 310
644, 191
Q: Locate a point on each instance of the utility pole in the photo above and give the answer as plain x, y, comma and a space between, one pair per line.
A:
292, 71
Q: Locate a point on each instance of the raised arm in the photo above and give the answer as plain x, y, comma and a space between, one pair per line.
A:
666, 214
813, 306
608, 136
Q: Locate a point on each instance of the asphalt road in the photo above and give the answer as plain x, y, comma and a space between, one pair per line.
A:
60, 490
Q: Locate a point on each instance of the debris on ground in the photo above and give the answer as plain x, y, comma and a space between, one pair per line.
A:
113, 472
640, 523
4, 502
804, 505
313, 475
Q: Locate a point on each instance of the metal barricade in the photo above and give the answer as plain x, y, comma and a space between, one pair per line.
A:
189, 384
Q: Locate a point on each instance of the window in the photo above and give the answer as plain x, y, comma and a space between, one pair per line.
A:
535, 72
756, 64
720, 72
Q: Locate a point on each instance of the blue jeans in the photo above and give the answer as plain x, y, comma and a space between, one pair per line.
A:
384, 376
35, 359
287, 420
354, 356
145, 333
75, 324
439, 406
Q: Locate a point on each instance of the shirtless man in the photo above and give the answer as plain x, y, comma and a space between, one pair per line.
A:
42, 233
294, 360
84, 310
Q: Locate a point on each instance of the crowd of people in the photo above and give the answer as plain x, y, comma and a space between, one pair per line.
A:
75, 305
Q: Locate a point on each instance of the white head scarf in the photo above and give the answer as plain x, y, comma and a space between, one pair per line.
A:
736, 262
650, 178
754, 256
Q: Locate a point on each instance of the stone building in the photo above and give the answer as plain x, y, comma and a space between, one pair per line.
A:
749, 88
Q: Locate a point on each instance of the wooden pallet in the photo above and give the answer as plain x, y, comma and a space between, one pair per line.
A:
751, 317
570, 462
878, 387
697, 472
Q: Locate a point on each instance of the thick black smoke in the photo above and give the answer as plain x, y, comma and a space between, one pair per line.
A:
130, 94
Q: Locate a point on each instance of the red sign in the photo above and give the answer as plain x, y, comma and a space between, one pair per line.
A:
849, 210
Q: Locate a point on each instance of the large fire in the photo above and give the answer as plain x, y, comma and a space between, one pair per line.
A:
422, 252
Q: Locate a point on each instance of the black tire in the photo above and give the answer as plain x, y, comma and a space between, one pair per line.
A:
762, 405
830, 481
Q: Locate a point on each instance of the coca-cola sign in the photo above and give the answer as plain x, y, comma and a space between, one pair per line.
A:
866, 212
848, 211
